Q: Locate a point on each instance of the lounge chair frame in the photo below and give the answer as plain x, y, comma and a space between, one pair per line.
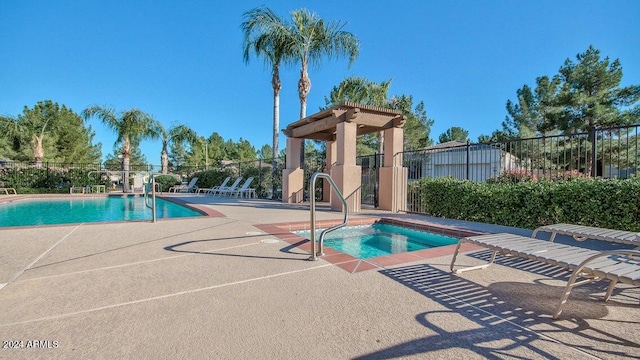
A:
214, 188
8, 191
581, 233
224, 189
185, 188
586, 265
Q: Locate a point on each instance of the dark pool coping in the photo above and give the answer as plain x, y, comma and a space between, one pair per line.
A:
353, 264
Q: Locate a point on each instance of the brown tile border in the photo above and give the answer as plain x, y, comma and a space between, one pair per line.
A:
352, 264
199, 208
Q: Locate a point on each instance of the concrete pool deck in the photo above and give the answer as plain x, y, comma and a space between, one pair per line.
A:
224, 288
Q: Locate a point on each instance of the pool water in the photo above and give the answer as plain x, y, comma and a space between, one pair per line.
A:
380, 239
30, 212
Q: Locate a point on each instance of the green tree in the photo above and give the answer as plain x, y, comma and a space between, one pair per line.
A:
216, 147
246, 151
360, 91
310, 39
131, 127
592, 93
176, 134
50, 130
417, 127
263, 35
454, 133
537, 112
178, 155
366, 92
265, 152
483, 138
137, 160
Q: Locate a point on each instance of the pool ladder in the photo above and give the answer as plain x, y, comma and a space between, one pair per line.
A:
312, 195
152, 206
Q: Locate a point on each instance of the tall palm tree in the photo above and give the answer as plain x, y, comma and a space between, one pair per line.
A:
265, 35
131, 127
176, 134
311, 40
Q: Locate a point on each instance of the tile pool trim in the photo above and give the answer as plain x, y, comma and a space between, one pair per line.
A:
203, 210
353, 264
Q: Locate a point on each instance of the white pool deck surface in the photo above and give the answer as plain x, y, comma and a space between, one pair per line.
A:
221, 288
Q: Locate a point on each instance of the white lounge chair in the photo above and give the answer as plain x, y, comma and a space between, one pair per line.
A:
222, 190
213, 188
588, 265
185, 188
138, 183
245, 190
8, 190
581, 233
236, 192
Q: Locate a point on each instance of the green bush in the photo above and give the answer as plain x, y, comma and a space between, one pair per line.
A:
513, 176
32, 179
607, 203
167, 181
213, 177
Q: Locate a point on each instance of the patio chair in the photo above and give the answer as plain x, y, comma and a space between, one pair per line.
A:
209, 190
226, 189
581, 233
185, 188
138, 183
236, 191
244, 190
586, 265
8, 190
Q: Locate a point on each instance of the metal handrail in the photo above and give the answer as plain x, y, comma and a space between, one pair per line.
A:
314, 177
152, 183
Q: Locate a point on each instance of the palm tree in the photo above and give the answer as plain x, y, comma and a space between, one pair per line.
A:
131, 127
311, 40
265, 35
34, 124
176, 134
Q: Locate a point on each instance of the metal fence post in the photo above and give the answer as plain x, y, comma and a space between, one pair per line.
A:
468, 154
594, 149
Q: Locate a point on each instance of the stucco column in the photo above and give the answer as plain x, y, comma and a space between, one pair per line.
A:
292, 174
393, 176
345, 173
330, 159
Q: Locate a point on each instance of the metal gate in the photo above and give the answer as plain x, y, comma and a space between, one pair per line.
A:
313, 162
370, 178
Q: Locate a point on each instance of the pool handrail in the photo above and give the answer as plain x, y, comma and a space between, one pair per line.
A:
151, 184
345, 209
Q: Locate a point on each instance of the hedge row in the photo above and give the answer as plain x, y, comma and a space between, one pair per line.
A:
607, 203
48, 179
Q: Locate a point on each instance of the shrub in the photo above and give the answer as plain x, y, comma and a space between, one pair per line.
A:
213, 177
607, 203
167, 181
568, 175
513, 176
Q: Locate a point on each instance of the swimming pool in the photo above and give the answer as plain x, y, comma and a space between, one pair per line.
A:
52, 211
380, 239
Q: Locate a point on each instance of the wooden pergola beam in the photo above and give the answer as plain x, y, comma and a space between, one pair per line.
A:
322, 125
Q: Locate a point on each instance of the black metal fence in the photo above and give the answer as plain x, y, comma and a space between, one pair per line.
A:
606, 152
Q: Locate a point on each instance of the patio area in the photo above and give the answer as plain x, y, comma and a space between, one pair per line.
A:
230, 286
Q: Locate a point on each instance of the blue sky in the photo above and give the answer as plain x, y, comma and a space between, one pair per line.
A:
181, 61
